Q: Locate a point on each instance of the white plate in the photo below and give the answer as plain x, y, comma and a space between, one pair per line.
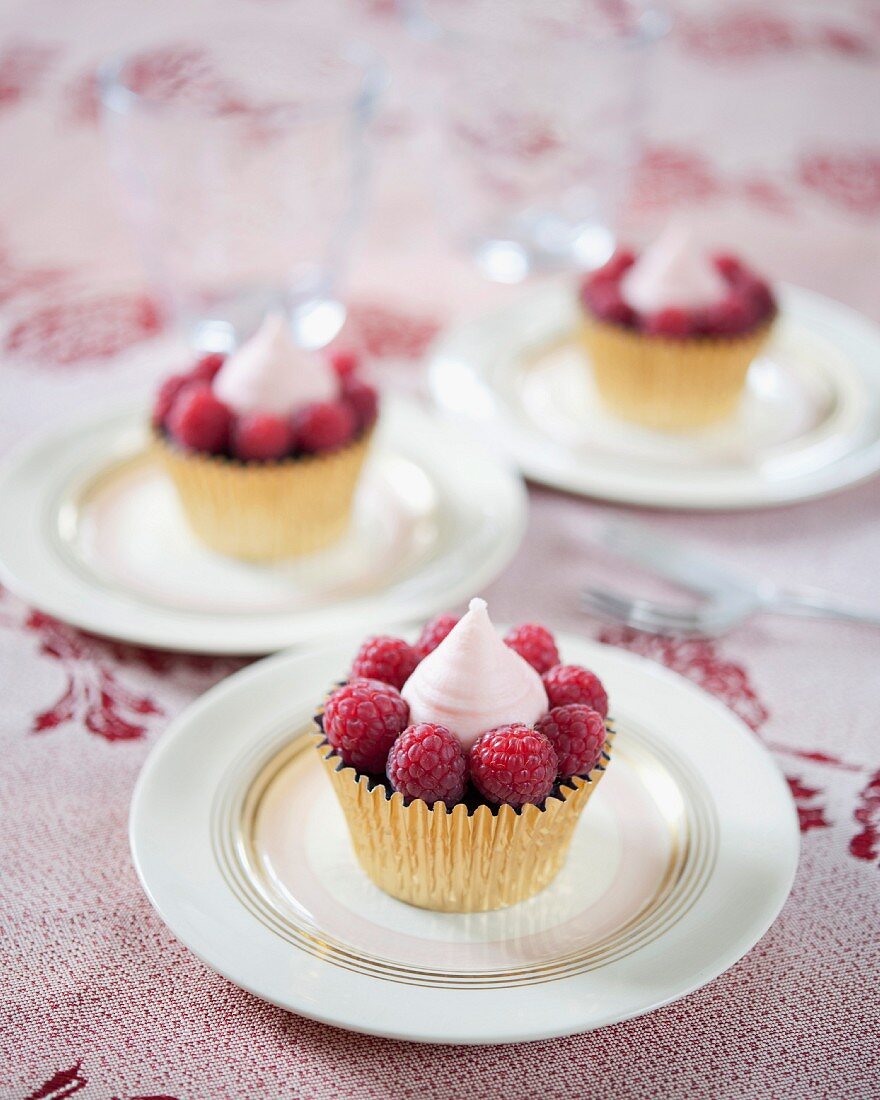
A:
680, 864
809, 423
100, 541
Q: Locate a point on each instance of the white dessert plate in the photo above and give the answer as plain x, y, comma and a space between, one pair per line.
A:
100, 540
679, 865
808, 425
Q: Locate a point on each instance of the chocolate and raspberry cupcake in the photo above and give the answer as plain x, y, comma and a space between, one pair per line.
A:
265, 446
671, 333
463, 762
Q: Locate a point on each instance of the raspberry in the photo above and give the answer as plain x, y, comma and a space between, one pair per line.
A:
513, 764
362, 399
729, 317
166, 397
323, 426
428, 762
433, 634
384, 658
577, 733
728, 266
534, 644
606, 301
344, 361
362, 720
600, 290
207, 367
670, 322
750, 300
566, 684
760, 297
199, 420
261, 437
616, 267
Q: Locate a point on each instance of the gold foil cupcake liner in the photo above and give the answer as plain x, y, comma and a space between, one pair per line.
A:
666, 383
456, 861
265, 511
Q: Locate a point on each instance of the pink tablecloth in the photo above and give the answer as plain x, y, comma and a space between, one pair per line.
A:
765, 127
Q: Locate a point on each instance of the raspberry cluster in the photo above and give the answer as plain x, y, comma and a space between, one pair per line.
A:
748, 303
188, 411
366, 721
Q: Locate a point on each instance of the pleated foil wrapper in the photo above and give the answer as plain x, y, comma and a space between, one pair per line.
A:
666, 383
266, 511
456, 861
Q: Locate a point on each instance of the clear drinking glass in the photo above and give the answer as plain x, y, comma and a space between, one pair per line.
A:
243, 165
537, 112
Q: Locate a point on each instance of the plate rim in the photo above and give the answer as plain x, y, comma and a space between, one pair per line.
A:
853, 469
731, 953
184, 634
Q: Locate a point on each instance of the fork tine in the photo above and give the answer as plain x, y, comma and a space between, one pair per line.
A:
612, 609
665, 612
617, 610
606, 601
645, 616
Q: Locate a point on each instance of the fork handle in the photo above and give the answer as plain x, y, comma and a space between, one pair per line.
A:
815, 604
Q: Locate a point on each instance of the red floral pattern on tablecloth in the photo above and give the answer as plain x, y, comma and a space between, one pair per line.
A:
177, 73
384, 9
866, 843
67, 1082
18, 279
385, 333
811, 814
83, 329
769, 195
23, 65
95, 695
182, 73
755, 33
847, 42
173, 73
670, 176
737, 35
850, 180
511, 136
60, 1085
698, 660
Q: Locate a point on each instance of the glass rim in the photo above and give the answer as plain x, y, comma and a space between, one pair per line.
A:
116, 95
653, 22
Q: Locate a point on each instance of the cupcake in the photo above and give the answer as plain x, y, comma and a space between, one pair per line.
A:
671, 333
265, 447
463, 763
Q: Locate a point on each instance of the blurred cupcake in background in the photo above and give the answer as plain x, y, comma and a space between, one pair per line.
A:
671, 333
265, 447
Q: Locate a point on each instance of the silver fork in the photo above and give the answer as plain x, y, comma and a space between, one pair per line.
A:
728, 599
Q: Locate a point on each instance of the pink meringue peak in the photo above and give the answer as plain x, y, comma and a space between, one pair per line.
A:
270, 374
472, 682
673, 272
